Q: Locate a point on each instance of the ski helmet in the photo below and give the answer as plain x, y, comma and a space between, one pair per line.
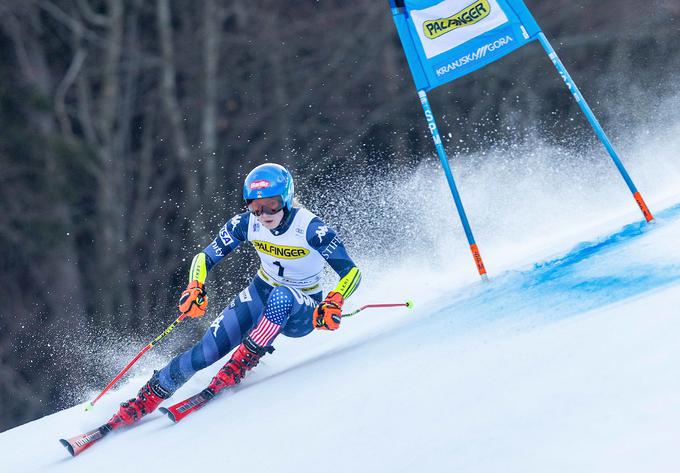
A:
269, 180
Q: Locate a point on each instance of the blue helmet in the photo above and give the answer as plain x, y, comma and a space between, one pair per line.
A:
269, 180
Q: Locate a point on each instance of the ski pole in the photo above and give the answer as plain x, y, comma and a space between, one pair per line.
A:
407, 304
90, 405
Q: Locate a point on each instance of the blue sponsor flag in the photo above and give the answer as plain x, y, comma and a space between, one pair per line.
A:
447, 39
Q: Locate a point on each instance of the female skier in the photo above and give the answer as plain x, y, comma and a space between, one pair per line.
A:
284, 296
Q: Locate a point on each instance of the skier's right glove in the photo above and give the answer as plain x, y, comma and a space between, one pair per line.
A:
193, 300
327, 315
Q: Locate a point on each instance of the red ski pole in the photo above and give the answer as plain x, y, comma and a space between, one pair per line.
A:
407, 304
90, 405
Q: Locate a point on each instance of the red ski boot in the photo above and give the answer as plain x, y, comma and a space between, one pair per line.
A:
245, 358
147, 400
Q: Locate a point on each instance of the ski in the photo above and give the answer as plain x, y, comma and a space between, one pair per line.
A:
179, 411
79, 443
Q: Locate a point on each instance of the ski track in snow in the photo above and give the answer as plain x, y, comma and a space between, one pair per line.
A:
593, 274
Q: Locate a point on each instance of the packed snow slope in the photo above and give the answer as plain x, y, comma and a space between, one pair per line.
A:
566, 365
566, 361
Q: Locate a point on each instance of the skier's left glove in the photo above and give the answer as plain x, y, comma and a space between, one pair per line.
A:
193, 300
327, 315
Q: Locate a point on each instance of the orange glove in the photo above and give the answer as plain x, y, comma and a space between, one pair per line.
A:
327, 314
193, 300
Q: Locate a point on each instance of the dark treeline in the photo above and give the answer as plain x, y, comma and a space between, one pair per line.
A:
128, 125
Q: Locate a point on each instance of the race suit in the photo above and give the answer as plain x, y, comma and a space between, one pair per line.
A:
281, 297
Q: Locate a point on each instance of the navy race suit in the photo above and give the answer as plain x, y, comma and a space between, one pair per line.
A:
281, 297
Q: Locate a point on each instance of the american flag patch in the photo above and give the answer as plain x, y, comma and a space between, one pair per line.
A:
265, 332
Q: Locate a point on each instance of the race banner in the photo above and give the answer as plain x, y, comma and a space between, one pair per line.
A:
447, 39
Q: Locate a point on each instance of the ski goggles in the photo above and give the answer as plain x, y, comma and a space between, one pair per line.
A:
268, 206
